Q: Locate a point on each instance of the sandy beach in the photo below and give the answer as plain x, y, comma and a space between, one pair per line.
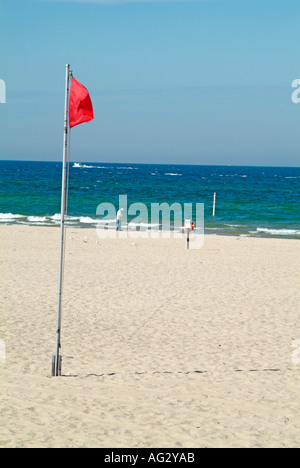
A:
161, 346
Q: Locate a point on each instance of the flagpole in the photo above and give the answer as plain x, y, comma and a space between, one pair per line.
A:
56, 359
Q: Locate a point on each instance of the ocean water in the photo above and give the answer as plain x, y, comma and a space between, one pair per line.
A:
250, 201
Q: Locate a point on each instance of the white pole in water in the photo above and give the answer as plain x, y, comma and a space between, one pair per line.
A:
56, 359
214, 205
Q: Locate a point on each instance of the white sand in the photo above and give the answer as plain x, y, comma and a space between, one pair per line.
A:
162, 347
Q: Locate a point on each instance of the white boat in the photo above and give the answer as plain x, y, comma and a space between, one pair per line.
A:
77, 165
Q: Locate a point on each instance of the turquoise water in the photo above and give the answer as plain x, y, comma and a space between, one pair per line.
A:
250, 201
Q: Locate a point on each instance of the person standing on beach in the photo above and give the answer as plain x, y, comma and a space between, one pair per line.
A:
119, 220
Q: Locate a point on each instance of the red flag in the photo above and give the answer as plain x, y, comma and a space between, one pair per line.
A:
80, 105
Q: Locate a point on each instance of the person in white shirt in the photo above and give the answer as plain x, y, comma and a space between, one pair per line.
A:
119, 219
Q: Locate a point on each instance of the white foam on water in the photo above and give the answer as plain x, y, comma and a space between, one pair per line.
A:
5, 217
279, 232
39, 219
87, 220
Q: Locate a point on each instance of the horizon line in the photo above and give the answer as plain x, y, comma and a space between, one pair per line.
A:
151, 164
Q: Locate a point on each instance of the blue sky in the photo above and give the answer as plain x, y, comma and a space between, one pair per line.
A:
182, 81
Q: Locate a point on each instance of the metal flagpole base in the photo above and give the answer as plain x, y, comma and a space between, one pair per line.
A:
56, 372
